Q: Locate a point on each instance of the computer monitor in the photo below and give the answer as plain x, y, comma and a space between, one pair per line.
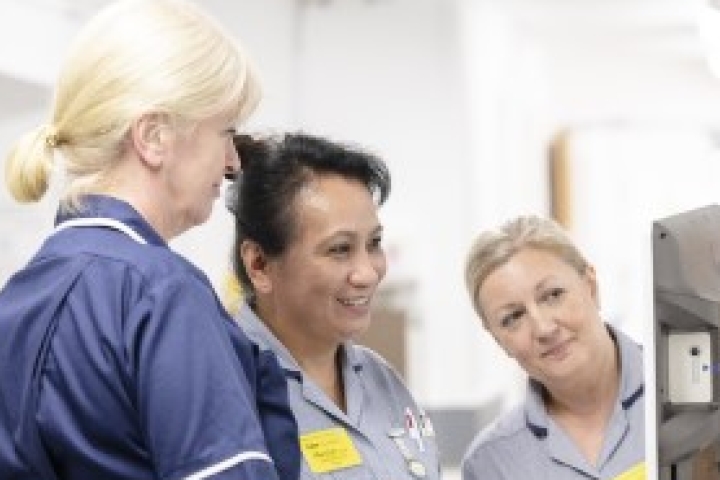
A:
686, 280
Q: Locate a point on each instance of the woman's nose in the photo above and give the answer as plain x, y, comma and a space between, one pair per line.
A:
544, 324
232, 163
366, 272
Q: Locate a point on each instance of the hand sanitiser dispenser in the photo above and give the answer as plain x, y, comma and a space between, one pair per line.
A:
686, 281
689, 372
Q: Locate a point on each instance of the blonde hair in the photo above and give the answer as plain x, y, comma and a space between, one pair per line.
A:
494, 248
135, 57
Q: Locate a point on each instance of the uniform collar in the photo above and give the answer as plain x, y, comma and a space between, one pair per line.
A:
102, 206
633, 381
632, 385
261, 335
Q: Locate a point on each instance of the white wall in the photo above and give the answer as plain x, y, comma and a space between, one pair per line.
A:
22, 227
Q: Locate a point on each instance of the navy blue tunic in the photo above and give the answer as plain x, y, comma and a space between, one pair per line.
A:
117, 361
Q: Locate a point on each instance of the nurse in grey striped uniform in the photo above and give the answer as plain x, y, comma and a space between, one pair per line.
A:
309, 256
583, 416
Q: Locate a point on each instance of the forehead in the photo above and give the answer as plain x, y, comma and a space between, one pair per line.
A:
334, 202
533, 258
525, 270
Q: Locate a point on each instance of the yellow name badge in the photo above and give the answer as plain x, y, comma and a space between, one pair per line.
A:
637, 472
329, 450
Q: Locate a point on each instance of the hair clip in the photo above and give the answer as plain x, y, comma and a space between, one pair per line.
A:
231, 197
52, 138
250, 149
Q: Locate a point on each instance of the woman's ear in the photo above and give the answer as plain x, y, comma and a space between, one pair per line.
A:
256, 266
150, 135
591, 278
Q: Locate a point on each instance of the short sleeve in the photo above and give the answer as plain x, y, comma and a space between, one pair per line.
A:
278, 422
195, 405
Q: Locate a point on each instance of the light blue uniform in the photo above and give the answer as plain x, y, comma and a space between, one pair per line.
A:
378, 407
527, 444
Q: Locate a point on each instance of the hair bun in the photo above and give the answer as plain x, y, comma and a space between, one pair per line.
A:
249, 149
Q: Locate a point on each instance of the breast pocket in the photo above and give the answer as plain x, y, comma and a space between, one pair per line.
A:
331, 454
359, 472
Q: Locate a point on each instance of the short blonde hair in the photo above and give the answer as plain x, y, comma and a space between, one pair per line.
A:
134, 57
494, 248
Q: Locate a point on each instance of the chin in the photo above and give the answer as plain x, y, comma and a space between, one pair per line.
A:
356, 329
201, 217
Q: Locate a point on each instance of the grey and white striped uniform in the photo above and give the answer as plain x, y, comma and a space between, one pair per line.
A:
378, 404
526, 443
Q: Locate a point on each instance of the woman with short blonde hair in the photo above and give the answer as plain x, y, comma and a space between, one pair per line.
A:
583, 415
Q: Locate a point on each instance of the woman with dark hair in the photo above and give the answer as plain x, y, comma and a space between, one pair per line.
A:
308, 253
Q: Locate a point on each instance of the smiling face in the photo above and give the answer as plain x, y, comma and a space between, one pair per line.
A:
321, 287
545, 314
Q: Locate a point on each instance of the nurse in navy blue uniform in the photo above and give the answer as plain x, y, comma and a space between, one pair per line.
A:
309, 256
117, 361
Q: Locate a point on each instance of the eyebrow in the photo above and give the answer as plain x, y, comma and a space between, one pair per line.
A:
543, 283
503, 310
350, 234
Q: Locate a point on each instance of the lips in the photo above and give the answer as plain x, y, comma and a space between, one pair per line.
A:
355, 302
558, 351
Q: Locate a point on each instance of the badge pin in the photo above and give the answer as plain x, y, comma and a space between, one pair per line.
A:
416, 468
412, 428
426, 426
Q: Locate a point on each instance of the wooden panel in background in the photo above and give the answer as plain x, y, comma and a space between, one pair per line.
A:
560, 184
387, 335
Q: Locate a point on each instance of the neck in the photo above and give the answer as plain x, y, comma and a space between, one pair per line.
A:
147, 207
597, 390
139, 186
327, 374
320, 362
583, 409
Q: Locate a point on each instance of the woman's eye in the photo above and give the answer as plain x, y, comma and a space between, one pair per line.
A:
340, 249
511, 319
553, 295
375, 244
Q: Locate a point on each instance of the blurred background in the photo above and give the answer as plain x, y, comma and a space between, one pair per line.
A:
602, 113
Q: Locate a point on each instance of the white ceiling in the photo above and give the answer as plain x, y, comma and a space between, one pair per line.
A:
665, 24
613, 35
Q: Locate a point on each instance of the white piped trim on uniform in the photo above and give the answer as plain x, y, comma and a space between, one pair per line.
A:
101, 222
229, 463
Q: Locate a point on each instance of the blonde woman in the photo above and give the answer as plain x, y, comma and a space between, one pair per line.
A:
117, 360
583, 417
